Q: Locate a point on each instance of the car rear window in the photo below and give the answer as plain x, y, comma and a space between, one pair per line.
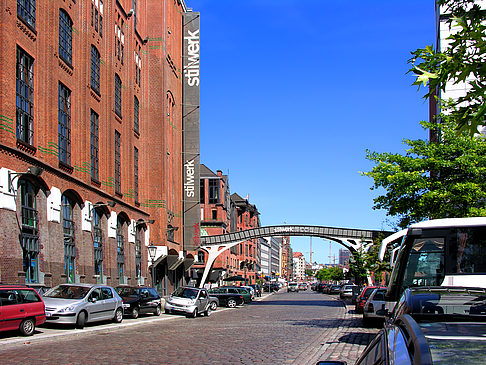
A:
8, 297
29, 296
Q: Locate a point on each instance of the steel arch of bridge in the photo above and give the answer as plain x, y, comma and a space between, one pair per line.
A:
352, 239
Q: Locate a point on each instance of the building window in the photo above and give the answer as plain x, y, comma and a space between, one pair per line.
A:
117, 162
134, 7
200, 257
214, 214
69, 241
118, 101
201, 191
26, 11
25, 97
213, 191
29, 234
120, 251
136, 111
135, 174
64, 127
95, 70
94, 146
138, 256
97, 246
65, 37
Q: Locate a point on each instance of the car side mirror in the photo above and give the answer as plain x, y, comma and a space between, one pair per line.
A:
92, 300
383, 312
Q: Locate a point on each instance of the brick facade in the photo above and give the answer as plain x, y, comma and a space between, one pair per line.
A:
146, 57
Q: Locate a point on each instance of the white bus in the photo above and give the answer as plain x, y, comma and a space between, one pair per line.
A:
440, 252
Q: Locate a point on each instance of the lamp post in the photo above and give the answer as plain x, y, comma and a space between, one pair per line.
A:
152, 251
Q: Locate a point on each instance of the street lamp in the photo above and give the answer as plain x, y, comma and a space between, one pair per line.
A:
152, 251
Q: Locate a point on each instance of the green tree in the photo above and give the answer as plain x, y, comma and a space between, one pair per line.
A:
432, 180
463, 60
357, 266
309, 273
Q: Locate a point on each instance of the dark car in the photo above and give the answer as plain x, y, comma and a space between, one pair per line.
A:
270, 287
432, 325
139, 300
334, 289
229, 300
21, 308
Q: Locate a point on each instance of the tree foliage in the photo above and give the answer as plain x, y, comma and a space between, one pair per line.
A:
432, 180
462, 61
330, 274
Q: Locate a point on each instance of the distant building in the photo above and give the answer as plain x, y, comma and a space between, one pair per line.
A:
299, 266
344, 256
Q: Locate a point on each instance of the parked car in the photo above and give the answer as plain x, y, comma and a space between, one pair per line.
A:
333, 289
21, 308
375, 302
347, 291
190, 301
139, 300
79, 304
363, 297
258, 289
270, 287
293, 287
229, 300
250, 289
245, 293
432, 325
302, 286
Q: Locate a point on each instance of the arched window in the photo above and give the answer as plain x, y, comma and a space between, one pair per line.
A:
29, 234
95, 70
120, 250
65, 37
98, 246
69, 239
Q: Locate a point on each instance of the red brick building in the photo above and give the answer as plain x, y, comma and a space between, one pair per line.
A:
91, 94
246, 216
215, 220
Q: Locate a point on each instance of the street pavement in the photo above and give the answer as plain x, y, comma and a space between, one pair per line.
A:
282, 328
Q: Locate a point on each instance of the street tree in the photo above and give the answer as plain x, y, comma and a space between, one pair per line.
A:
461, 61
432, 180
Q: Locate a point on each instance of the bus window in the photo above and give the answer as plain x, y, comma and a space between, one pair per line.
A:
425, 264
468, 251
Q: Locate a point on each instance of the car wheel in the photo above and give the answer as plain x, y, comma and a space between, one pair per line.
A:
27, 327
118, 316
135, 312
193, 314
213, 306
81, 320
157, 311
208, 311
231, 303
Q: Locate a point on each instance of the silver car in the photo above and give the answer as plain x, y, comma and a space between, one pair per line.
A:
79, 304
189, 300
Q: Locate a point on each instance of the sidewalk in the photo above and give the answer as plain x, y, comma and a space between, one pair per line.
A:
346, 341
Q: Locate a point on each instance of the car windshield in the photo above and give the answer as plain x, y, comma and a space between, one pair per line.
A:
68, 292
127, 292
185, 293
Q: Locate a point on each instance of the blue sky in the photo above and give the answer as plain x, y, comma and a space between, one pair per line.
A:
293, 92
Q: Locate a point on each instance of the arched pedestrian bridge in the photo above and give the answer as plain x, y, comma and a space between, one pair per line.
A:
352, 239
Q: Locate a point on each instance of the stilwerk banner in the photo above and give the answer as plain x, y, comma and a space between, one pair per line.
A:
190, 135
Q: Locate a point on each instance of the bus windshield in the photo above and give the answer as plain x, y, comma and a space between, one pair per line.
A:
443, 256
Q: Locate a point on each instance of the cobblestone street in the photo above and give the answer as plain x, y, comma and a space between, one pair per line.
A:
283, 328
